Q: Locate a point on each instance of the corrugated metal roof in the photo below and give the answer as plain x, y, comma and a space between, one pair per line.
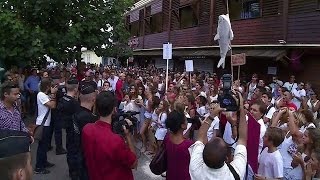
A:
140, 4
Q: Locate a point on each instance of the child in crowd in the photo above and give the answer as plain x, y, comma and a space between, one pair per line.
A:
270, 161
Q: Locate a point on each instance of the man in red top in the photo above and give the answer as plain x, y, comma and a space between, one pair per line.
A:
288, 100
119, 88
106, 154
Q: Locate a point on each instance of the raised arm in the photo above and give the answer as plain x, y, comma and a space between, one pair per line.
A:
243, 126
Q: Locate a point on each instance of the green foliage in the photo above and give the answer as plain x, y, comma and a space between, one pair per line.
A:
30, 29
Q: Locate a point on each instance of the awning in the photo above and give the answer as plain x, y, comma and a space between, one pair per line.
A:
277, 54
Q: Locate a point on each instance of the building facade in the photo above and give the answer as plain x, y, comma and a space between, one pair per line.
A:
281, 35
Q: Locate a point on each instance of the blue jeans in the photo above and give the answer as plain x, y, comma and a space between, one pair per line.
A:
43, 148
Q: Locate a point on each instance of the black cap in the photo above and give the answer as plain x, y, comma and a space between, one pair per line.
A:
87, 89
72, 81
13, 143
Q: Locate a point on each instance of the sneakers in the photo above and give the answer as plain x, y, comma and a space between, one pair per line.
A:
48, 165
61, 151
41, 171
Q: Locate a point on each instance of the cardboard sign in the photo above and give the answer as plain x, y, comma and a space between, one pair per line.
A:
167, 51
238, 59
189, 65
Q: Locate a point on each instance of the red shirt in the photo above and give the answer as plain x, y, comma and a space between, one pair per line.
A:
106, 154
119, 93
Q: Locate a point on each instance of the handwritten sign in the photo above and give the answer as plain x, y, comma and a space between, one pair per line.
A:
189, 65
238, 59
167, 51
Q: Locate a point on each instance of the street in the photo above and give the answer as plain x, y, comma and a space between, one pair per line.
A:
60, 170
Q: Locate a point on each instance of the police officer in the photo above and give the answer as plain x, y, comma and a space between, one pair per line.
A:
82, 117
56, 121
67, 106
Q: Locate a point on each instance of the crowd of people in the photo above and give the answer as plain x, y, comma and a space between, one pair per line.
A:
201, 138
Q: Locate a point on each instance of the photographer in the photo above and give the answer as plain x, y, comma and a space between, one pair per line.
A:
106, 154
208, 158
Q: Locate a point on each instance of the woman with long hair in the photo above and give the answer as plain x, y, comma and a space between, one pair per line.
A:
162, 113
150, 103
313, 104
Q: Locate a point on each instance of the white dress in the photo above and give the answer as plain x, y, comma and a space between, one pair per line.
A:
315, 114
161, 130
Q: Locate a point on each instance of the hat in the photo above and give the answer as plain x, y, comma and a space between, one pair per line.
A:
13, 143
72, 81
87, 89
203, 94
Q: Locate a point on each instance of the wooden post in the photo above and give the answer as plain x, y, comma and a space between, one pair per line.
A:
212, 7
169, 21
285, 19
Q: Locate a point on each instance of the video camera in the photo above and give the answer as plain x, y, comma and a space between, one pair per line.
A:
226, 99
118, 121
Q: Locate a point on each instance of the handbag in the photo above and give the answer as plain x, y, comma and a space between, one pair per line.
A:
38, 130
158, 165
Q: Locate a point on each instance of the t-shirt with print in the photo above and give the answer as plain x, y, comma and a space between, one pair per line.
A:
42, 99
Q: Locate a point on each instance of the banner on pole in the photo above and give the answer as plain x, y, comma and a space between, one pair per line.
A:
189, 65
167, 51
238, 59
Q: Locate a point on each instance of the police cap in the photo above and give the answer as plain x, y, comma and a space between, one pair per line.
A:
87, 89
13, 143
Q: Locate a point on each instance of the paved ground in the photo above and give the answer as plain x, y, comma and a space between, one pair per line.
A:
60, 170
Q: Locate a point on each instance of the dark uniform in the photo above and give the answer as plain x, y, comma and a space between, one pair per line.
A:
82, 117
67, 107
57, 123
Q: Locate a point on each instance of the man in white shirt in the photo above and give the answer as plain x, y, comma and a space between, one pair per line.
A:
298, 94
113, 80
45, 103
207, 159
267, 98
290, 85
257, 110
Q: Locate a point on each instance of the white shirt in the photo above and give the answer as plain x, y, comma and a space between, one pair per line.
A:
199, 170
113, 82
270, 164
227, 135
202, 111
290, 86
263, 130
42, 99
270, 112
298, 93
214, 126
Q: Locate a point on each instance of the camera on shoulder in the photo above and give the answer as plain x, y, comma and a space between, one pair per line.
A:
226, 99
118, 121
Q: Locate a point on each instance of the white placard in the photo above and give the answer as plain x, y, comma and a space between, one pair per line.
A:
189, 65
167, 51
272, 70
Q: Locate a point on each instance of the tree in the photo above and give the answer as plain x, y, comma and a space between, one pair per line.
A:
30, 29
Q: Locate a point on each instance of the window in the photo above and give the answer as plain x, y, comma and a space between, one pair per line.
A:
244, 9
188, 17
156, 23
134, 28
